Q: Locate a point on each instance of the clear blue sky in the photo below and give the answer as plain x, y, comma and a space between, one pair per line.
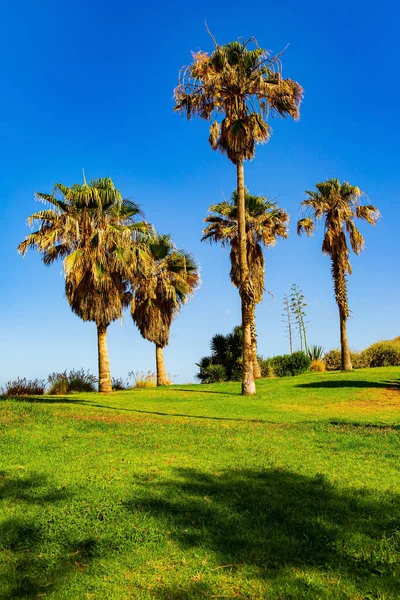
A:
89, 84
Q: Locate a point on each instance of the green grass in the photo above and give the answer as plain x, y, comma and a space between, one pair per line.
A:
195, 492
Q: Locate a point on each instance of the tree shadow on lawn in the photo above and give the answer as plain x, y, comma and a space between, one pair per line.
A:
34, 559
393, 384
278, 522
88, 403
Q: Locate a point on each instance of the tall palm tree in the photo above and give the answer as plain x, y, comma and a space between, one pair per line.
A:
236, 87
92, 228
338, 204
171, 277
264, 222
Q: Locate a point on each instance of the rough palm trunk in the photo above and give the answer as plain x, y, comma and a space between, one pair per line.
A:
340, 284
344, 344
104, 364
162, 378
248, 384
256, 366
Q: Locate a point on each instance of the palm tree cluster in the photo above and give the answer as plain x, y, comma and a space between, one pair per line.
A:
236, 88
113, 261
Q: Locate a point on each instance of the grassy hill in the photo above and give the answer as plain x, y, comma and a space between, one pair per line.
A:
196, 492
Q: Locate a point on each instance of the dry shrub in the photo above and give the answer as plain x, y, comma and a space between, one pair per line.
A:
23, 387
142, 380
317, 365
333, 360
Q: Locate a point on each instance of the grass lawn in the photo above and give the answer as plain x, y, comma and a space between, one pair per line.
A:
195, 492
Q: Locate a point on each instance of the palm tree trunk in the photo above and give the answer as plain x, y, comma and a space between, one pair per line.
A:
105, 386
256, 366
248, 384
344, 344
162, 378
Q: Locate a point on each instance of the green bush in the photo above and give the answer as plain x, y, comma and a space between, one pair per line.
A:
290, 364
75, 380
214, 374
23, 387
382, 354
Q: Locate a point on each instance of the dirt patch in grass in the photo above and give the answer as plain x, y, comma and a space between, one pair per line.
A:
376, 401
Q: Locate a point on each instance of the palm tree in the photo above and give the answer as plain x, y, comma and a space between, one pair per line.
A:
92, 228
236, 88
170, 279
338, 204
264, 222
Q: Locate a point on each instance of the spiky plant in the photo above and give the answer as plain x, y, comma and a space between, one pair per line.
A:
265, 221
92, 228
338, 204
315, 352
236, 87
168, 281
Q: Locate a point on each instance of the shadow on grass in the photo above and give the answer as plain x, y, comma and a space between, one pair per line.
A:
34, 562
277, 523
394, 384
81, 402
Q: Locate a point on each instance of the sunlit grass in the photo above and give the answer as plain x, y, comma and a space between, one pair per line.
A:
195, 492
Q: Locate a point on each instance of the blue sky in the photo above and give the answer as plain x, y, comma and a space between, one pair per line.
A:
89, 84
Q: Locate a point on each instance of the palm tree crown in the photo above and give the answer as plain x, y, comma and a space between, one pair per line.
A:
170, 279
236, 88
265, 221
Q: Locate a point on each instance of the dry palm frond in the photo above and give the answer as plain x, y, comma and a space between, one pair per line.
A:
94, 230
236, 87
170, 278
265, 221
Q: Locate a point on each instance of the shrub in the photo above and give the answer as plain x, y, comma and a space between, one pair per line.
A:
333, 360
142, 380
290, 364
118, 384
359, 360
315, 352
317, 366
214, 374
75, 380
24, 387
266, 368
382, 354
226, 350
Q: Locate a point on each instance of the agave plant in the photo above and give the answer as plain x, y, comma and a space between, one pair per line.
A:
315, 352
